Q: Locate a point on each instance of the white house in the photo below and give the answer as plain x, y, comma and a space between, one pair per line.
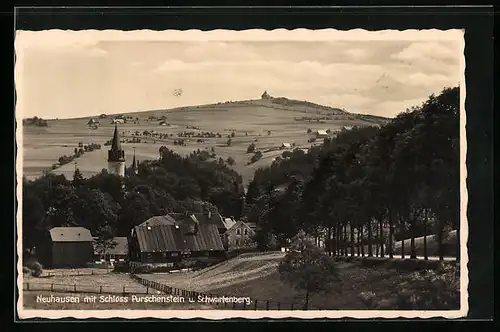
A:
117, 120
321, 133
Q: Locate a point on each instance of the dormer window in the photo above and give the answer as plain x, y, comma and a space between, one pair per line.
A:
238, 231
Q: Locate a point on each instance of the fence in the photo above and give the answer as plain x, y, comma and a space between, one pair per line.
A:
77, 273
254, 305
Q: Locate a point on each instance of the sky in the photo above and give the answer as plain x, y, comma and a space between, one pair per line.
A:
70, 74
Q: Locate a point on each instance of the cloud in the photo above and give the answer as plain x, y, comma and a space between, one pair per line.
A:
420, 51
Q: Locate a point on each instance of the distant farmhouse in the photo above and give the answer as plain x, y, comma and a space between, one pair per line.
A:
66, 247
286, 146
117, 121
321, 134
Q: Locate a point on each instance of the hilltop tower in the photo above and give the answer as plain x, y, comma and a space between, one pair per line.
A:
116, 156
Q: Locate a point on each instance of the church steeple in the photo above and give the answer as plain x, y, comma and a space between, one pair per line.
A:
116, 153
116, 156
134, 164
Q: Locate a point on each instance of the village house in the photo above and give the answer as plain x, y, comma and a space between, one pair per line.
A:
321, 133
167, 240
66, 247
240, 235
286, 146
116, 253
117, 121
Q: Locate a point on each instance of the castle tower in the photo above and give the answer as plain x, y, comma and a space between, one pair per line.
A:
116, 156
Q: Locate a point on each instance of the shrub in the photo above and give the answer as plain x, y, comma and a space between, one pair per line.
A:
36, 269
251, 148
257, 156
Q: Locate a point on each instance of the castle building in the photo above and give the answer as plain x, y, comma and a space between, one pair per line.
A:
116, 156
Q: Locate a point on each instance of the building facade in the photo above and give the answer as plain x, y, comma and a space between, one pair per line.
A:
240, 235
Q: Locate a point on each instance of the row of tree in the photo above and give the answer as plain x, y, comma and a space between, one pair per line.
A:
368, 186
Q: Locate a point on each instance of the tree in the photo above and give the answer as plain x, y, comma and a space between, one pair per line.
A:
256, 157
230, 161
78, 178
307, 269
229, 142
251, 148
105, 240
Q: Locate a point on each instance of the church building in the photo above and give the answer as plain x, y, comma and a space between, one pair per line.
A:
116, 156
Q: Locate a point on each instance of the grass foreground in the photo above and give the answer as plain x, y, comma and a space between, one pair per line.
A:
384, 286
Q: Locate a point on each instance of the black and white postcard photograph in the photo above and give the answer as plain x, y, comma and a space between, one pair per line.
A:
241, 174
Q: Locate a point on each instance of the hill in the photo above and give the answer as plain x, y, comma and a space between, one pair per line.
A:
268, 123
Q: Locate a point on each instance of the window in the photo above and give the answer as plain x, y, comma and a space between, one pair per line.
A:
237, 242
238, 231
175, 254
246, 231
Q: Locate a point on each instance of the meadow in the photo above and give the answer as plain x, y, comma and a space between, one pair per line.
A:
262, 122
362, 287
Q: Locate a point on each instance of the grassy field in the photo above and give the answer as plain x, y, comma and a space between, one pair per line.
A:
250, 121
257, 277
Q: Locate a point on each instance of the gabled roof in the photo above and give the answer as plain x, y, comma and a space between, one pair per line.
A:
159, 220
70, 234
240, 224
121, 247
203, 218
228, 222
168, 238
321, 132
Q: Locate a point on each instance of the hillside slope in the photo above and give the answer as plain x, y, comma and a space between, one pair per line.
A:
256, 276
268, 123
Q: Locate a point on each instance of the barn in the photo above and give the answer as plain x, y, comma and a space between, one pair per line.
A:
166, 240
66, 247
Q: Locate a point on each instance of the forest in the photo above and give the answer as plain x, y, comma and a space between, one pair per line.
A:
367, 185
